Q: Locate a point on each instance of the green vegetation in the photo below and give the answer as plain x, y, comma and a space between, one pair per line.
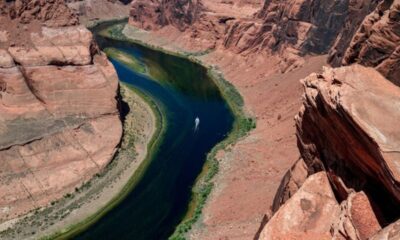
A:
126, 59
204, 184
241, 127
161, 125
115, 31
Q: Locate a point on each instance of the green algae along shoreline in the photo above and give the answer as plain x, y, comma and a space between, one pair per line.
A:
160, 126
243, 124
204, 184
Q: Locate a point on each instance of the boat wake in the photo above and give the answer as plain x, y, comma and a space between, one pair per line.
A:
196, 124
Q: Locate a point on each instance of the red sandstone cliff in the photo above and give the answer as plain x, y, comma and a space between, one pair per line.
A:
59, 122
376, 43
154, 14
345, 185
342, 133
363, 31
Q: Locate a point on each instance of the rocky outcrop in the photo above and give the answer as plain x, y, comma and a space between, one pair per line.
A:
358, 10
307, 26
341, 124
146, 14
59, 122
309, 214
347, 126
93, 10
289, 29
71, 46
341, 132
359, 31
290, 184
52, 13
155, 14
391, 232
376, 42
357, 219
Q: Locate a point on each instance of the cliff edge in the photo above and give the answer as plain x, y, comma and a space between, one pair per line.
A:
59, 121
345, 182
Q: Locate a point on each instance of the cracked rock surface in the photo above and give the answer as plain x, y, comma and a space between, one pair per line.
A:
59, 121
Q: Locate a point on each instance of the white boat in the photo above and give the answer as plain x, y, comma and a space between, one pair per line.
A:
196, 123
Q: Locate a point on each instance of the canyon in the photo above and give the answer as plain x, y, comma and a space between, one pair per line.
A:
342, 148
320, 77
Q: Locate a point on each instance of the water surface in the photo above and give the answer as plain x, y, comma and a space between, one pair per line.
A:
183, 90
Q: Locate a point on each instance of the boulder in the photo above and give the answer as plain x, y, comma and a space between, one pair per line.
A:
357, 219
341, 129
290, 184
308, 214
391, 232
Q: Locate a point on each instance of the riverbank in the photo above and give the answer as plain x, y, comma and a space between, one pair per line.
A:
249, 171
241, 127
143, 129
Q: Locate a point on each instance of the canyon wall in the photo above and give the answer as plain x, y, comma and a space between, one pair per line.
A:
345, 184
359, 31
346, 130
343, 136
376, 43
59, 121
154, 14
95, 10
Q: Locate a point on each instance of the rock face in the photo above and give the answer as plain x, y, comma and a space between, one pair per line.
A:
359, 31
290, 184
52, 13
304, 25
341, 132
89, 10
342, 135
307, 26
376, 42
346, 126
309, 214
341, 124
346, 129
213, 23
391, 232
155, 14
59, 122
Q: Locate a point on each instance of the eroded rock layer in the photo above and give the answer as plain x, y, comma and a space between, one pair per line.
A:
346, 129
376, 42
59, 122
362, 31
179, 13
341, 123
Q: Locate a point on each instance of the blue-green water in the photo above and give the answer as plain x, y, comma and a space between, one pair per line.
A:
184, 91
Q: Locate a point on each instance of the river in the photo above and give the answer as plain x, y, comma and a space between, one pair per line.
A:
183, 91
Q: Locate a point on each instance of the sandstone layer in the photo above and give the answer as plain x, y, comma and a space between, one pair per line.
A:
341, 123
341, 131
59, 121
362, 31
376, 43
90, 11
345, 129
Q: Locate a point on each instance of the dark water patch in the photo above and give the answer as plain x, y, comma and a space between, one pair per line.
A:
184, 91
